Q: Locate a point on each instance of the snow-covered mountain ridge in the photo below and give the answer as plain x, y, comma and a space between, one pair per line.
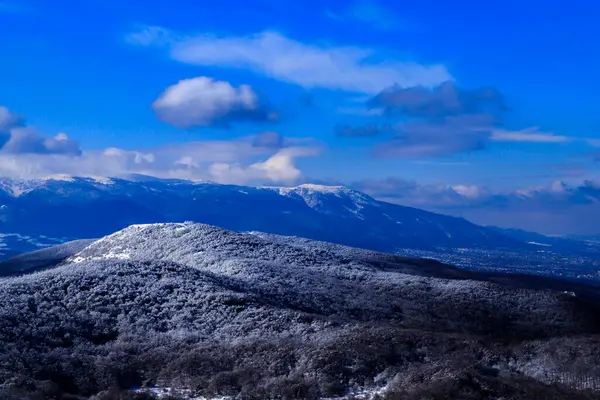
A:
252, 315
92, 207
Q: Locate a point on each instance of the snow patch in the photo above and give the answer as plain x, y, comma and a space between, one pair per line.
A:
101, 179
185, 394
540, 244
59, 177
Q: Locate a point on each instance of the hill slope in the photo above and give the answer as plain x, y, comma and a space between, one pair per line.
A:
257, 315
41, 259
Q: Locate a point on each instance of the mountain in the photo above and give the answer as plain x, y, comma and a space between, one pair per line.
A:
78, 208
211, 312
587, 238
565, 244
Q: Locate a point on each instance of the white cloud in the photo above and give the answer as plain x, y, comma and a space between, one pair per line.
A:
558, 207
203, 101
128, 159
279, 168
188, 162
469, 191
227, 161
534, 135
308, 65
531, 135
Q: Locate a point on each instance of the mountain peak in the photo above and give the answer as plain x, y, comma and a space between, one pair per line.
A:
323, 190
70, 178
59, 177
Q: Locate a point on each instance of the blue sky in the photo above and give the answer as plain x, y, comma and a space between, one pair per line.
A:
320, 75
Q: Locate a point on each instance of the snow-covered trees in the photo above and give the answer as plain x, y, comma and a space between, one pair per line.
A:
260, 316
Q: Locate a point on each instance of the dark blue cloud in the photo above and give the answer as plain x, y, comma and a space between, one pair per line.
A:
17, 138
424, 139
445, 100
27, 141
269, 139
436, 121
8, 121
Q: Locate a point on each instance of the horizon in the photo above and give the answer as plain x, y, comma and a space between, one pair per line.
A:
431, 106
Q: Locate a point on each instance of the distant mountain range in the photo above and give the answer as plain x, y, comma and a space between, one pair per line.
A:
75, 208
12, 244
565, 244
